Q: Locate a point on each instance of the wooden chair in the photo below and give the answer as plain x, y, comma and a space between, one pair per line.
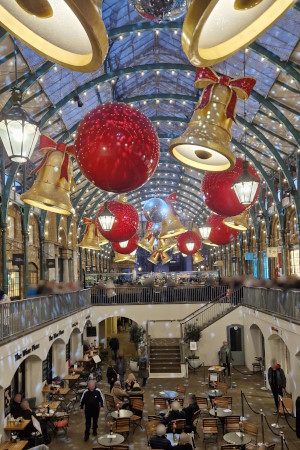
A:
109, 403
196, 417
232, 423
210, 429
220, 402
180, 401
155, 418
229, 399
180, 388
150, 428
250, 446
222, 386
252, 430
202, 403
137, 407
122, 426
160, 403
180, 425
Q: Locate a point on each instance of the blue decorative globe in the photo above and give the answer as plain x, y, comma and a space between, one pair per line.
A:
155, 230
155, 210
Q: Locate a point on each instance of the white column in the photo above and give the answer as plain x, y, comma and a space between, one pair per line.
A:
50, 254
75, 265
66, 270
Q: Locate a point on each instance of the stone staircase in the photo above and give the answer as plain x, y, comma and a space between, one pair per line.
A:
165, 357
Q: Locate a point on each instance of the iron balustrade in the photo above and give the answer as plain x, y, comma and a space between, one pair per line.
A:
22, 316
135, 295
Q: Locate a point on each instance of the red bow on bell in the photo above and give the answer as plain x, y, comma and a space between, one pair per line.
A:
87, 221
240, 88
172, 198
46, 142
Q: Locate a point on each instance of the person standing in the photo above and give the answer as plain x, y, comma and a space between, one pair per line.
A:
121, 365
277, 382
225, 357
112, 374
114, 346
142, 365
92, 402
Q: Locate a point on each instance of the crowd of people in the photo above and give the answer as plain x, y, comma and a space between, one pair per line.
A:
284, 282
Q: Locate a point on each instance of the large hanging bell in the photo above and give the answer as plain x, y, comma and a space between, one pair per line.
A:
119, 257
165, 258
171, 226
54, 182
168, 244
154, 257
239, 222
92, 238
197, 258
147, 242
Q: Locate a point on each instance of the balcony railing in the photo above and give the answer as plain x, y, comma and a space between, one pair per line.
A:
135, 295
22, 316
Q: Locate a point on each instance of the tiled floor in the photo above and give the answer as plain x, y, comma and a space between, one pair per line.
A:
249, 384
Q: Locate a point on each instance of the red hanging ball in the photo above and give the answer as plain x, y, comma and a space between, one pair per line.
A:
125, 224
184, 238
116, 147
130, 247
220, 233
218, 193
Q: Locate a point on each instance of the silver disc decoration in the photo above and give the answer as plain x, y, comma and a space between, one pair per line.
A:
160, 10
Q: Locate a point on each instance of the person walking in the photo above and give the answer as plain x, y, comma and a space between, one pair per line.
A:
277, 382
92, 402
142, 365
114, 347
121, 365
225, 357
112, 374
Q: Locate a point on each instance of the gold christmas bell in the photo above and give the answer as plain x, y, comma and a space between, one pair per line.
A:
175, 250
147, 242
54, 181
213, 30
119, 257
91, 236
239, 222
171, 226
205, 144
197, 258
154, 257
208, 242
168, 244
165, 258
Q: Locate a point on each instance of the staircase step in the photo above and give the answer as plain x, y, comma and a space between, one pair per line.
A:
176, 369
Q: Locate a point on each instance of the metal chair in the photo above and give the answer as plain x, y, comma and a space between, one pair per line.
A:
109, 403
122, 426
252, 430
179, 424
232, 424
160, 403
210, 429
222, 386
202, 403
137, 407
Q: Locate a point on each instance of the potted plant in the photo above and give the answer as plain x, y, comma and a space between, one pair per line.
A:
136, 334
192, 333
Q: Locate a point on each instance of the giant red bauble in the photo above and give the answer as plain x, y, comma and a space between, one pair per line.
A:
218, 193
220, 233
125, 224
182, 240
131, 246
116, 147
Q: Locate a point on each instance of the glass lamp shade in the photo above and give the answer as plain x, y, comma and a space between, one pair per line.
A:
190, 245
19, 134
205, 231
106, 219
245, 186
123, 244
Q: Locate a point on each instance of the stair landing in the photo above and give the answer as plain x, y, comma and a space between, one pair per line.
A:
165, 358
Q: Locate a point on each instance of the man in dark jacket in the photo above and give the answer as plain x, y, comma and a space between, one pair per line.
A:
15, 407
112, 374
190, 410
174, 414
160, 441
92, 401
114, 346
277, 381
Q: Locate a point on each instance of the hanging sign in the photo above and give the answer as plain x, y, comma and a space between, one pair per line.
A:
272, 252
193, 346
18, 259
50, 263
249, 256
88, 269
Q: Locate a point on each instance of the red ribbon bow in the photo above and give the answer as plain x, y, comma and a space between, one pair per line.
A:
172, 198
46, 142
207, 78
87, 222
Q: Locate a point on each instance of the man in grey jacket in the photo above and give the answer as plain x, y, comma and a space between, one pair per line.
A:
225, 357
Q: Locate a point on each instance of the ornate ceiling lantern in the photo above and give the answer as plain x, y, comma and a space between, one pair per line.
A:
70, 33
214, 30
205, 144
205, 230
245, 186
106, 218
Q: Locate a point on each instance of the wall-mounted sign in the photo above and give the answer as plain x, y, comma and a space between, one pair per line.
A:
88, 269
26, 351
249, 256
17, 259
272, 252
193, 346
56, 335
50, 263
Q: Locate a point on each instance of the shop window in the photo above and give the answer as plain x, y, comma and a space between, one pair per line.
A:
32, 275
10, 227
265, 265
295, 269
14, 291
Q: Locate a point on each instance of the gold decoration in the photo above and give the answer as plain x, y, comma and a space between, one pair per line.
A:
91, 236
52, 187
176, 250
171, 226
122, 258
197, 258
81, 45
213, 31
208, 242
239, 222
147, 242
154, 257
165, 258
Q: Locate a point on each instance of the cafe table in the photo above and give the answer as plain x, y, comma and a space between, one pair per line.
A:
215, 374
52, 405
221, 414
78, 369
122, 414
109, 440
72, 380
16, 426
85, 360
56, 391
8, 445
237, 438
170, 395
213, 393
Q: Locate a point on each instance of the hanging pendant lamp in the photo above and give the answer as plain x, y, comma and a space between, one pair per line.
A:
70, 33
245, 186
214, 30
205, 230
106, 218
205, 144
239, 222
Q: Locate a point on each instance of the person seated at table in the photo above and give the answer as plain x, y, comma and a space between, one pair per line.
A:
184, 442
129, 383
174, 414
190, 410
112, 374
27, 414
15, 406
118, 394
160, 441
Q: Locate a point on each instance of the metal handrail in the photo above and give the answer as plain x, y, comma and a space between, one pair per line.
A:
24, 316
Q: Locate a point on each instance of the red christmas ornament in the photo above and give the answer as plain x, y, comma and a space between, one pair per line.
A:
220, 233
117, 147
218, 193
125, 224
184, 239
130, 247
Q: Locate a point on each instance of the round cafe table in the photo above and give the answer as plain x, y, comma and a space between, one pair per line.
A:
237, 438
106, 441
121, 414
214, 393
221, 414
